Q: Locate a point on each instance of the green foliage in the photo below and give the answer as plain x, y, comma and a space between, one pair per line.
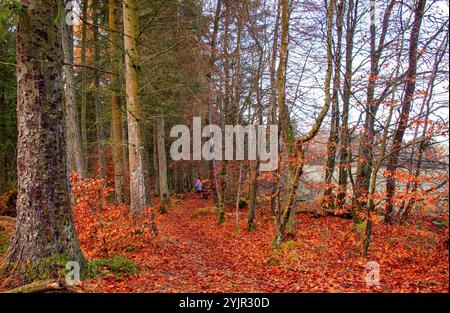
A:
3, 244
440, 223
116, 265
52, 267
201, 212
55, 267
360, 227
12, 6
8, 128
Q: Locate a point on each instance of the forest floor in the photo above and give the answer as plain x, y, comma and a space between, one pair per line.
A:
193, 254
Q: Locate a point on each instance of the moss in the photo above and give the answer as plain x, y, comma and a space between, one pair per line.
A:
131, 249
440, 223
289, 245
201, 212
116, 265
221, 217
360, 227
52, 267
3, 244
251, 227
13, 6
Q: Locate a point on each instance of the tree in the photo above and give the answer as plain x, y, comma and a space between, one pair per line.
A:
116, 112
101, 159
8, 129
226, 108
74, 147
296, 147
365, 154
84, 91
139, 194
406, 107
162, 162
45, 227
334, 131
344, 136
209, 75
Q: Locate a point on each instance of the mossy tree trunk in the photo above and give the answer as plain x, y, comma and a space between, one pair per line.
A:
84, 87
296, 147
45, 226
116, 113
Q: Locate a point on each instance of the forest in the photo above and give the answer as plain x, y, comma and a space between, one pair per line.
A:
224, 146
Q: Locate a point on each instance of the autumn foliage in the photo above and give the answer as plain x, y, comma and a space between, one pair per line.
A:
193, 254
104, 230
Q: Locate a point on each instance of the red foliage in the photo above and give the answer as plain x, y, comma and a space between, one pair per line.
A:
196, 255
104, 230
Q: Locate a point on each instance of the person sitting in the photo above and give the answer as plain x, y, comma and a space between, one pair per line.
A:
198, 185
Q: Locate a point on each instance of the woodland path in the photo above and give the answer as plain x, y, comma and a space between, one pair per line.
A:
197, 255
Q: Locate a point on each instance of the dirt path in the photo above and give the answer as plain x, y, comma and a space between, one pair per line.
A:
197, 255
200, 257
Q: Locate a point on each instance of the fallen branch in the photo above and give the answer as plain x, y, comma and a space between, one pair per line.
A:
317, 214
39, 287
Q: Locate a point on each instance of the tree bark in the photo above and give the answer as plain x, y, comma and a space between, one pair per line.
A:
99, 107
212, 61
84, 91
139, 195
296, 147
45, 226
162, 162
344, 164
334, 131
116, 113
74, 147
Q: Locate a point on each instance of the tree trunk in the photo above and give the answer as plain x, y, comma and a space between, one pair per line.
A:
116, 113
365, 154
84, 140
99, 109
45, 228
296, 147
344, 165
155, 161
334, 131
74, 147
225, 111
407, 207
162, 162
139, 195
238, 198
212, 61
406, 108
253, 191
272, 112
381, 156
